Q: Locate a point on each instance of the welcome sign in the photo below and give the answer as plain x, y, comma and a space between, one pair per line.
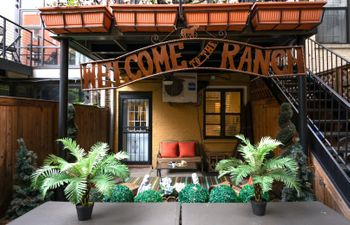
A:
168, 57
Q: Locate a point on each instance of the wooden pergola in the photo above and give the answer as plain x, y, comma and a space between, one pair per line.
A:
122, 36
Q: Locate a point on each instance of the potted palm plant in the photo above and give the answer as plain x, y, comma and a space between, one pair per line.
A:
263, 169
95, 169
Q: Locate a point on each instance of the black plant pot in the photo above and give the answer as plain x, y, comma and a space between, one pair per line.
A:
84, 212
259, 208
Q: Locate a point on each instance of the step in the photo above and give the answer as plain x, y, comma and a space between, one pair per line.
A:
336, 134
332, 131
329, 100
333, 121
296, 91
295, 84
327, 110
317, 120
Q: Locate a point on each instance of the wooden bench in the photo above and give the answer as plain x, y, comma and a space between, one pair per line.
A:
162, 161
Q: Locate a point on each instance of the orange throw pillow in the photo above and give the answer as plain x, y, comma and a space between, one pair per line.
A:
169, 149
187, 149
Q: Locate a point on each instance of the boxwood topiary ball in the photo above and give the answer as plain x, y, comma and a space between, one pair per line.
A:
149, 196
193, 194
120, 193
247, 193
223, 194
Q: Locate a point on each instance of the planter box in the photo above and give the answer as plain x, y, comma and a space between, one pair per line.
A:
217, 17
76, 19
287, 15
145, 18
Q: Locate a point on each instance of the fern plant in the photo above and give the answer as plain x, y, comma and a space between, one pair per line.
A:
95, 169
263, 170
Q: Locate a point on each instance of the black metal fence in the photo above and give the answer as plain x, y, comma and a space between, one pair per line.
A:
15, 42
328, 123
328, 106
330, 67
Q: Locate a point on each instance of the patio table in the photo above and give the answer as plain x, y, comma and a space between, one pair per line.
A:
277, 213
64, 213
189, 166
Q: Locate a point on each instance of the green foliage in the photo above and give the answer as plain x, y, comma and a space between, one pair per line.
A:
72, 130
305, 176
119, 193
96, 169
25, 197
263, 171
288, 129
149, 196
247, 193
295, 151
223, 194
193, 194
286, 113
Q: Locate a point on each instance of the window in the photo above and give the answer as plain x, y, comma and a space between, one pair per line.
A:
222, 113
333, 28
335, 23
31, 18
32, 4
46, 49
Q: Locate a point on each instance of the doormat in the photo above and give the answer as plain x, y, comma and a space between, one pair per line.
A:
204, 181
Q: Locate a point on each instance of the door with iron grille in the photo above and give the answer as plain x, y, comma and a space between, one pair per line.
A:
135, 122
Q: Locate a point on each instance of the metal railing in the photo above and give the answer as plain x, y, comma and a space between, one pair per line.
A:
328, 110
328, 123
16, 42
136, 143
45, 52
331, 68
328, 114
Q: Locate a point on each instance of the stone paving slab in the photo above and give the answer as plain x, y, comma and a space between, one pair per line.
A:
277, 213
64, 213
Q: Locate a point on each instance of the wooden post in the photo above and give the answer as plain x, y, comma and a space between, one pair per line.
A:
63, 93
302, 85
62, 105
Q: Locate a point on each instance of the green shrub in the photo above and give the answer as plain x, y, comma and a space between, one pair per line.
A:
247, 193
305, 176
223, 194
288, 129
193, 193
25, 197
119, 193
149, 196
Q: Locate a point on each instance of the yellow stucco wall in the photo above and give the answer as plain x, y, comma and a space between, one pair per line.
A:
179, 121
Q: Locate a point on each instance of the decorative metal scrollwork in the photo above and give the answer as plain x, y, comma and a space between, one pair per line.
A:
222, 34
155, 38
190, 32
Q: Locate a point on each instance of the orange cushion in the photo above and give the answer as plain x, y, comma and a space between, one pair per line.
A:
169, 149
187, 149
